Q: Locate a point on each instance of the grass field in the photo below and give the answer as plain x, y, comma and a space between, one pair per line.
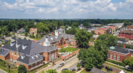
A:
68, 49
84, 71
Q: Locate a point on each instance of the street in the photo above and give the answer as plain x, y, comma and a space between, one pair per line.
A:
70, 64
1, 71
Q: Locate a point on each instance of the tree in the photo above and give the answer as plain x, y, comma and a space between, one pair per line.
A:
51, 71
42, 71
82, 37
91, 58
42, 28
67, 71
75, 24
78, 65
26, 34
128, 61
112, 40
71, 31
22, 69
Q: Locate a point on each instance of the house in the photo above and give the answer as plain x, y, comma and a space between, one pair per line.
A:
119, 53
81, 26
102, 30
126, 34
96, 70
118, 25
113, 28
95, 25
68, 28
28, 53
33, 31
130, 27
22, 30
59, 39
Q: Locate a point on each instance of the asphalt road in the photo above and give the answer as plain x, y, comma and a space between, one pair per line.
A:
70, 63
1, 71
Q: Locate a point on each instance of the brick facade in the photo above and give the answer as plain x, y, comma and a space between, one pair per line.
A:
100, 31
126, 34
33, 31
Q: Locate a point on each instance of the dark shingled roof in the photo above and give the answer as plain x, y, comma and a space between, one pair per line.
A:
28, 59
31, 49
57, 38
96, 70
121, 50
3, 52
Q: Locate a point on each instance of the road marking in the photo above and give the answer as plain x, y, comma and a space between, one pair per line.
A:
69, 64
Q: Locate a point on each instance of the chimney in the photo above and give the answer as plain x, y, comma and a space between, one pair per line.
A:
52, 34
124, 46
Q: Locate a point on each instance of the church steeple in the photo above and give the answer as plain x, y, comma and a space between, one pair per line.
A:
56, 32
46, 42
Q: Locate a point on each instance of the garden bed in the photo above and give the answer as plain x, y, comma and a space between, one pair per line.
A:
68, 49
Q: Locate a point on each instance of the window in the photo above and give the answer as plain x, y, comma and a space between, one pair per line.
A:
12, 52
31, 65
114, 56
108, 55
132, 55
111, 56
118, 57
40, 62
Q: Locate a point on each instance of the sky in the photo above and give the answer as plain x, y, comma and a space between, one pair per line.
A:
66, 9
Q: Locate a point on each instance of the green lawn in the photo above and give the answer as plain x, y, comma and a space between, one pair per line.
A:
68, 49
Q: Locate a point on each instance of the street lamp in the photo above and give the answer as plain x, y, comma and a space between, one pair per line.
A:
9, 67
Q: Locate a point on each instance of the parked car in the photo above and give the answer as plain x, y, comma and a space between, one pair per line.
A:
73, 69
64, 69
14, 38
108, 68
61, 64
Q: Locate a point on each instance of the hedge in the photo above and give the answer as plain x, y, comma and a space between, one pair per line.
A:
115, 62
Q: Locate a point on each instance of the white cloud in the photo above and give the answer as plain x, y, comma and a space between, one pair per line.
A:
68, 6
41, 9
112, 7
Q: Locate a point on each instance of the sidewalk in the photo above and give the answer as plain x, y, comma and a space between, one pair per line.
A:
48, 66
115, 64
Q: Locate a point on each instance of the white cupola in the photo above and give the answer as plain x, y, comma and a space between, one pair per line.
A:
46, 42
56, 32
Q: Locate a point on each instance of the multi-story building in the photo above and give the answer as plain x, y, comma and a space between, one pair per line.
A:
129, 27
33, 31
29, 53
119, 53
102, 30
60, 38
126, 34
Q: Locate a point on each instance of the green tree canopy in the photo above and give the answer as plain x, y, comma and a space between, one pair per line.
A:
91, 58
82, 38
22, 69
42, 28
129, 61
75, 24
51, 71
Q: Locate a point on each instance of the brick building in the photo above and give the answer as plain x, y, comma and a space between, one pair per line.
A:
126, 34
129, 27
119, 53
33, 31
29, 53
103, 30
60, 38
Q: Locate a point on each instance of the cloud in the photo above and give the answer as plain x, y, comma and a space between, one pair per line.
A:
68, 7
112, 7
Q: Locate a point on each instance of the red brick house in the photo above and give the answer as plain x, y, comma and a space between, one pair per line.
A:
103, 30
29, 53
126, 34
33, 31
119, 53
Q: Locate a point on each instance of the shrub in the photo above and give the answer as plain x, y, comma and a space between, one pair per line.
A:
115, 62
